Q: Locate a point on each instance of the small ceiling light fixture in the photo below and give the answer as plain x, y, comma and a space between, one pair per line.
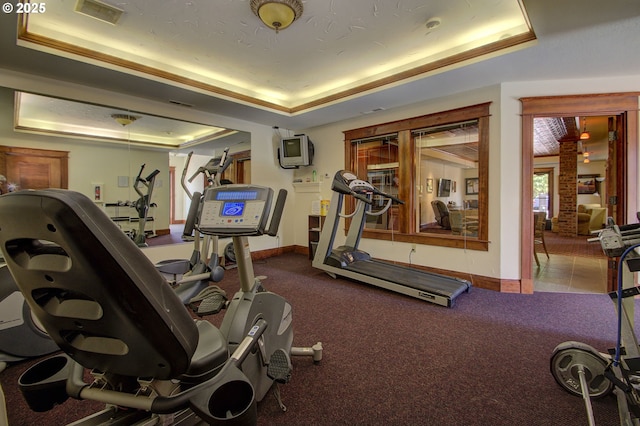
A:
277, 14
585, 154
433, 23
584, 135
124, 119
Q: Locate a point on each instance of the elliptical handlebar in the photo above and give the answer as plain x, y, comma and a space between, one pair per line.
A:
214, 167
152, 175
138, 180
184, 175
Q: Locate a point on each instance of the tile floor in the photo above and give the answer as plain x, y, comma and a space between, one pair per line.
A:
568, 274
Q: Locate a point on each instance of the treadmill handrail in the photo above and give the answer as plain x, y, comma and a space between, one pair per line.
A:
388, 196
382, 211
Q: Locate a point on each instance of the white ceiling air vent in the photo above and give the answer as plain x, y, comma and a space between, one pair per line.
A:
99, 10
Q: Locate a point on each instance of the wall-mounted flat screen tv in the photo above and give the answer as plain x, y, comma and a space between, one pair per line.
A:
444, 187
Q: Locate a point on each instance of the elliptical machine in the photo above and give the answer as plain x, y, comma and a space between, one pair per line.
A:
582, 370
191, 277
143, 204
150, 362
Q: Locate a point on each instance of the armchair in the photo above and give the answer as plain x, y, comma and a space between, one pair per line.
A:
442, 214
591, 217
461, 225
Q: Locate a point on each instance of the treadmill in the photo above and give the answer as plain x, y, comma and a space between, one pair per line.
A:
350, 262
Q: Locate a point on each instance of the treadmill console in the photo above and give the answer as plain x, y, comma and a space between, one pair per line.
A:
235, 210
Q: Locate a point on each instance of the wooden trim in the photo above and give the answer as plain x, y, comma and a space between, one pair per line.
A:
423, 69
406, 171
414, 123
526, 241
631, 146
472, 54
95, 138
69, 48
483, 178
452, 241
580, 105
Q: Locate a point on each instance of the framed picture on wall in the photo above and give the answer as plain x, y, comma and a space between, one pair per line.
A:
471, 186
587, 184
429, 185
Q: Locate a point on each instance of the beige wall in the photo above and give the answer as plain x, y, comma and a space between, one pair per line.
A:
502, 260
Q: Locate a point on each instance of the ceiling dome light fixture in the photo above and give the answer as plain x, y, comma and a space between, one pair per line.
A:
124, 119
433, 23
277, 14
584, 135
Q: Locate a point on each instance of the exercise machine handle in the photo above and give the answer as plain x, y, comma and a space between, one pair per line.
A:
138, 180
197, 172
183, 182
384, 194
277, 213
152, 175
140, 172
361, 197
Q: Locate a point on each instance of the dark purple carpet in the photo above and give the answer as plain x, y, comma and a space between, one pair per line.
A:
394, 360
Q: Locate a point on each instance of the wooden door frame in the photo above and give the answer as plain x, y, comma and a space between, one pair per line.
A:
625, 104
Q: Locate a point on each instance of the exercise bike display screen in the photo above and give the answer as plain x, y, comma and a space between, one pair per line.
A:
233, 209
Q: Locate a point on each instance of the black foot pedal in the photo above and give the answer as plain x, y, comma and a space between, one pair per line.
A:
279, 368
211, 305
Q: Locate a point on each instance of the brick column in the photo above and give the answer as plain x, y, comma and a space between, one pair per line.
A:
568, 189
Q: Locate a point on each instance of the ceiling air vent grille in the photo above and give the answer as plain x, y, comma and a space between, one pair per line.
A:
99, 10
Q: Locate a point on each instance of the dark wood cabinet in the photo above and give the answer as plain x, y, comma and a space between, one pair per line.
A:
316, 222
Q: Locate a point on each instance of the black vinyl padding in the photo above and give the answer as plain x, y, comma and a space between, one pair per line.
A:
97, 295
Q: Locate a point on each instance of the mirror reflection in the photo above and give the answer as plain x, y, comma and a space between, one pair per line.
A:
377, 163
448, 176
107, 152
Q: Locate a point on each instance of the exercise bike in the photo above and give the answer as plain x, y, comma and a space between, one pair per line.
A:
143, 204
191, 277
583, 371
111, 312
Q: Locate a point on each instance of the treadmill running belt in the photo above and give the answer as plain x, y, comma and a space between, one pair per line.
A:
419, 280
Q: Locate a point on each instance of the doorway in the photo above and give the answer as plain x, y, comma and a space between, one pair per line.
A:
622, 165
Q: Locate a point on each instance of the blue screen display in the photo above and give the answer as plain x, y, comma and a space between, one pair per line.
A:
232, 209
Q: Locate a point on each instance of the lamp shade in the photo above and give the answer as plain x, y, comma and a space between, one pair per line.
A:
124, 119
277, 14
